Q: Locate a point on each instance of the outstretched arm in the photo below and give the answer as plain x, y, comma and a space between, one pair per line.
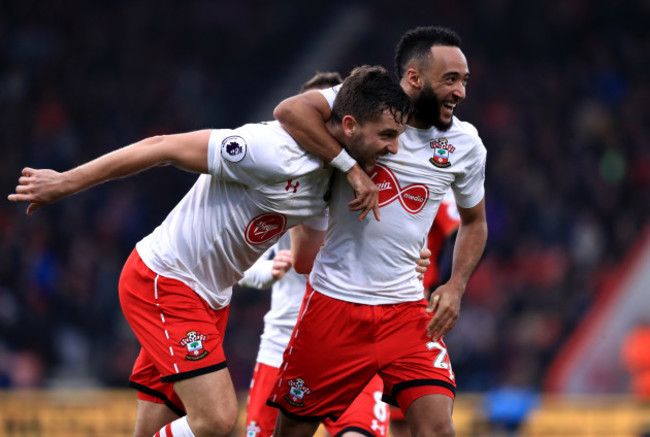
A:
304, 116
40, 187
470, 243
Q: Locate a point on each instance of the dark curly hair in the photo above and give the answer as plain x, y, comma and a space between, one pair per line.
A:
322, 80
416, 44
367, 92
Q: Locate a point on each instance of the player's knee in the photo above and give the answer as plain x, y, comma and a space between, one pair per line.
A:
439, 429
218, 424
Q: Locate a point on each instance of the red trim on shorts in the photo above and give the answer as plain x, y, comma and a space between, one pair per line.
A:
168, 430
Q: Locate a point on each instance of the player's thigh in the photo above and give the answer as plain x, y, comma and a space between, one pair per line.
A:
210, 400
288, 427
151, 417
430, 415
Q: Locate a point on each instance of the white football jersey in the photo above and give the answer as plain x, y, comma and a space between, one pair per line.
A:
261, 183
374, 262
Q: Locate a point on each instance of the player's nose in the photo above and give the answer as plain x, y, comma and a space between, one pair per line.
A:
392, 146
459, 91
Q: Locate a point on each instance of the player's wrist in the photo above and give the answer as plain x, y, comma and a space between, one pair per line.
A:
343, 161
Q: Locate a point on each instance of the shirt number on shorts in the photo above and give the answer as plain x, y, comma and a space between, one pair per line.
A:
380, 414
442, 360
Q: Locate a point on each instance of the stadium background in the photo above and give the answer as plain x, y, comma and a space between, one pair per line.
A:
559, 92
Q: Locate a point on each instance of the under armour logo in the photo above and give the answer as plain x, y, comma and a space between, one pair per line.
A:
377, 427
289, 186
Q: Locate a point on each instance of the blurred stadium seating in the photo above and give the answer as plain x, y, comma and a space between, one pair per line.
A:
111, 413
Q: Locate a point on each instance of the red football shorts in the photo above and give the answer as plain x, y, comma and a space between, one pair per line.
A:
337, 347
260, 418
180, 335
396, 414
367, 415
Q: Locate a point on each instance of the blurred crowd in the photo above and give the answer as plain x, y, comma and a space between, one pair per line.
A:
558, 92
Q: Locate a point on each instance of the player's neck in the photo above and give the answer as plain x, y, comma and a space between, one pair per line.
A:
336, 130
418, 123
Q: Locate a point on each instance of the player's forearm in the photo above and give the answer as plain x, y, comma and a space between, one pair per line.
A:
469, 247
305, 122
120, 163
305, 244
186, 151
258, 275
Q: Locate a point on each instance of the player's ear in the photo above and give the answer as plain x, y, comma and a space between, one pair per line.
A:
413, 78
349, 124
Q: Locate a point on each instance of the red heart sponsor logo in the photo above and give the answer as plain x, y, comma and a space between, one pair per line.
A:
264, 227
412, 197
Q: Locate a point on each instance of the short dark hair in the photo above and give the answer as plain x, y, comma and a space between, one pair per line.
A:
416, 44
367, 92
322, 80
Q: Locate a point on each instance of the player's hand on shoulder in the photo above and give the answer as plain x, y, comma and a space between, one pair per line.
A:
444, 304
281, 264
367, 194
38, 188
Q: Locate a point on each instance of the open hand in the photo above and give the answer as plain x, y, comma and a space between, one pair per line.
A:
38, 187
367, 194
445, 305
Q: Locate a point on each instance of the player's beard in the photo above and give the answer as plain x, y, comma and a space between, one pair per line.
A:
366, 162
427, 109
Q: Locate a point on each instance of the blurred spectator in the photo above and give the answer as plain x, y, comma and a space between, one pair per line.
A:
508, 405
635, 354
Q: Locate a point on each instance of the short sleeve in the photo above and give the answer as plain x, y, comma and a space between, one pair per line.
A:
217, 137
469, 187
256, 155
330, 94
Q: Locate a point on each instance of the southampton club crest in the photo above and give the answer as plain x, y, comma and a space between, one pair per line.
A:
297, 391
441, 151
194, 342
253, 430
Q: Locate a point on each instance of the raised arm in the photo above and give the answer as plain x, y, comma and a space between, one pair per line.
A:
304, 117
470, 243
40, 187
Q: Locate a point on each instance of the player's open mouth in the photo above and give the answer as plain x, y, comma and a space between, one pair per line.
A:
448, 108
